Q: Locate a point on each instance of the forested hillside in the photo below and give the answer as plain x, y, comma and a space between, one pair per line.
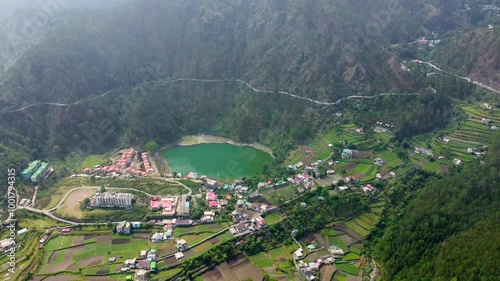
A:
482, 62
450, 231
319, 49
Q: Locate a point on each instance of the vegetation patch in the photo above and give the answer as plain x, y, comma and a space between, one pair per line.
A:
348, 268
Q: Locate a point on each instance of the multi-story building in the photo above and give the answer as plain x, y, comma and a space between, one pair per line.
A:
111, 199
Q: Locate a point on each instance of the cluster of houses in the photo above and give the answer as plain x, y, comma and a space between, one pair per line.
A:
112, 200
211, 200
312, 268
126, 227
124, 165
254, 206
168, 227
36, 170
166, 205
245, 227
144, 265
423, 150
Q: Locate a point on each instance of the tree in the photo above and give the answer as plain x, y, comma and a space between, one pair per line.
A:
151, 146
101, 190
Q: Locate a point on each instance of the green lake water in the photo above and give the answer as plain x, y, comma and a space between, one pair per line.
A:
217, 160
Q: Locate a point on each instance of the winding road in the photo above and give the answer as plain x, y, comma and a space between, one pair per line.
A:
477, 83
247, 84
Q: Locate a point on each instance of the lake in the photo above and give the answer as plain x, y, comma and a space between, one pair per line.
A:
217, 160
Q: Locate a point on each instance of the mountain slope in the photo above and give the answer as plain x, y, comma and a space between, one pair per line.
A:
481, 62
450, 230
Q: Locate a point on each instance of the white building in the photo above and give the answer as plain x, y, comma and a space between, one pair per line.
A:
112, 199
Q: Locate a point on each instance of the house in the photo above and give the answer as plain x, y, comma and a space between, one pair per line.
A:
457, 161
22, 231
212, 204
144, 254
157, 237
488, 106
143, 264
211, 184
179, 222
179, 256
7, 244
262, 185
423, 150
446, 140
227, 186
368, 189
136, 224
494, 128
359, 130
311, 247
330, 145
131, 263
240, 227
342, 188
211, 196
346, 153
123, 227
244, 189
111, 259
379, 161
298, 165
330, 172
299, 254
485, 121
222, 202
44, 239
259, 221
207, 219
141, 275
471, 150
181, 245
336, 251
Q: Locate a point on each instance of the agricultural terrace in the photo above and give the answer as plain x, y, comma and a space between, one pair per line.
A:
472, 133
277, 262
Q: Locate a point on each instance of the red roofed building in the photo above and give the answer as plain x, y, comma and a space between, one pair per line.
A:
212, 204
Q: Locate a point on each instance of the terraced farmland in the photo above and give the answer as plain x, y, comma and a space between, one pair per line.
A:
472, 133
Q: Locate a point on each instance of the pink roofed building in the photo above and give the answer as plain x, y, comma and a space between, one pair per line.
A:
167, 205
212, 204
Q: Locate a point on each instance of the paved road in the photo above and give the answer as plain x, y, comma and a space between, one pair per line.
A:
94, 187
190, 192
247, 84
50, 215
477, 83
34, 197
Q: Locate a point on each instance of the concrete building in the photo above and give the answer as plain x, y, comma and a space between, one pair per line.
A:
32, 168
183, 207
112, 199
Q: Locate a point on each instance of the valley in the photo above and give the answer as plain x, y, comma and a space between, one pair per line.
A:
250, 140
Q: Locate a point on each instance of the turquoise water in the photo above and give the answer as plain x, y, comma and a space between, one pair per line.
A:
217, 160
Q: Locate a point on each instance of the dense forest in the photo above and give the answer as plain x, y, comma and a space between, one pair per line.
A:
449, 231
319, 49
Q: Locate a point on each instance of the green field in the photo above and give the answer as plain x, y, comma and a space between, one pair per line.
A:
348, 268
363, 224
351, 257
273, 218
361, 231
59, 242
91, 161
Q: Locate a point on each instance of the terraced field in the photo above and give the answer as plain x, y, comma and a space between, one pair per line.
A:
472, 133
